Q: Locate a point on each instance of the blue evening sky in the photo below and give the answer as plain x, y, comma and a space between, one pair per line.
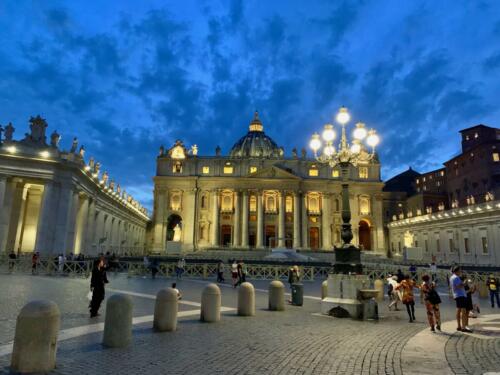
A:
128, 76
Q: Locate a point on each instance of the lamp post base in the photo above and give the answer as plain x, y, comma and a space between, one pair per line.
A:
347, 260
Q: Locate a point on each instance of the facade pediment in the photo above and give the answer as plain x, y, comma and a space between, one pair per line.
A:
274, 172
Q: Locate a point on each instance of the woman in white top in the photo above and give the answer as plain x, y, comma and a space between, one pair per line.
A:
234, 273
394, 293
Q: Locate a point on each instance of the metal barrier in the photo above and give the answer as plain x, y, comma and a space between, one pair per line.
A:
79, 268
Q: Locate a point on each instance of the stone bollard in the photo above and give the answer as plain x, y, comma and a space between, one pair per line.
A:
276, 296
118, 321
35, 341
246, 300
379, 286
210, 304
165, 317
483, 290
324, 289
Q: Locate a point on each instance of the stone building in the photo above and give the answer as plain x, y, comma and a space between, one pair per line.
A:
451, 214
255, 197
52, 202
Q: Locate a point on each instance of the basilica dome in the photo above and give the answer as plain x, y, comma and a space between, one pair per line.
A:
256, 144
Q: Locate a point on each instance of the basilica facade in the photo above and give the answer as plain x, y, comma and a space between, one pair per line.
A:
256, 197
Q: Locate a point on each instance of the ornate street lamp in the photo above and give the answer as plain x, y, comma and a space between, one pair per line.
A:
347, 257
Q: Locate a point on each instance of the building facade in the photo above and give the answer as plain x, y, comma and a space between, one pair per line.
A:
52, 202
255, 197
451, 214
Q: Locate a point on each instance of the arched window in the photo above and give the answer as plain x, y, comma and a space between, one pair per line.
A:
175, 201
177, 167
227, 202
270, 204
204, 201
314, 204
364, 205
337, 205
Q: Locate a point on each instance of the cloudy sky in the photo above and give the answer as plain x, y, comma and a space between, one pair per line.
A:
128, 76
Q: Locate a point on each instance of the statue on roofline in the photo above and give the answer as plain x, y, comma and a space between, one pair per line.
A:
74, 145
294, 153
9, 131
54, 139
82, 151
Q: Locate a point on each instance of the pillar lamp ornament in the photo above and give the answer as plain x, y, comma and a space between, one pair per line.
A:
361, 150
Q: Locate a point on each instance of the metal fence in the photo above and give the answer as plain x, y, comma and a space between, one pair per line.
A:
208, 270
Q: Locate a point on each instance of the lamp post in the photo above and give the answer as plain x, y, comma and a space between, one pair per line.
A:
347, 257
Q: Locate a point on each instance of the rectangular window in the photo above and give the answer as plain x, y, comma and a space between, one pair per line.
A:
206, 170
438, 246
416, 243
466, 246
426, 243
253, 169
399, 247
496, 156
363, 172
452, 245
313, 172
335, 173
228, 170
484, 242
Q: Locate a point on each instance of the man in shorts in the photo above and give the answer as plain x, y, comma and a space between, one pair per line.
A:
460, 296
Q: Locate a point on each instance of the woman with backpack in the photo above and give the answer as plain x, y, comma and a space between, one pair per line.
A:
432, 301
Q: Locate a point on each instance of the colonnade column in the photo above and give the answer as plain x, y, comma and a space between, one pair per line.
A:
215, 218
64, 210
325, 223
6, 190
81, 224
72, 222
44, 231
260, 222
237, 218
281, 222
91, 223
159, 213
305, 234
20, 213
296, 220
244, 220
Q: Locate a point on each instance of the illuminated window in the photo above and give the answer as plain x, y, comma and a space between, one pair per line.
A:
227, 202
175, 202
476, 135
177, 167
363, 172
313, 203
442, 173
289, 204
364, 206
423, 179
253, 169
253, 203
496, 156
206, 170
313, 172
270, 204
418, 180
335, 173
228, 169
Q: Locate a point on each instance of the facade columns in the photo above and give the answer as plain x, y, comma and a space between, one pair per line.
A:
159, 215
45, 229
20, 214
326, 215
91, 225
237, 220
81, 224
260, 222
215, 218
281, 221
71, 225
188, 224
6, 192
244, 220
64, 209
305, 234
296, 220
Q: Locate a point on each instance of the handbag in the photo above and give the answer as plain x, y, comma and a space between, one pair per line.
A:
433, 297
89, 295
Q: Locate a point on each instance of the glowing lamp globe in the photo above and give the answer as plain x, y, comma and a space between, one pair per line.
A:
328, 133
360, 131
329, 150
373, 139
355, 147
315, 143
343, 116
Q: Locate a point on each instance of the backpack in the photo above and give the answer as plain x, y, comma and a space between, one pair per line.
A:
390, 288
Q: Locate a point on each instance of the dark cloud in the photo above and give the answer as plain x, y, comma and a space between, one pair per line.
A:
492, 63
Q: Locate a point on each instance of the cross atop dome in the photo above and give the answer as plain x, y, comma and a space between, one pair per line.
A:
256, 124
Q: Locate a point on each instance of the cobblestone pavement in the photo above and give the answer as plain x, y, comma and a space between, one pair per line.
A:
297, 341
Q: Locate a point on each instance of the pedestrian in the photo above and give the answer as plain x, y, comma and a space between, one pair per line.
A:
154, 268
34, 262
241, 272
234, 273
460, 296
220, 271
12, 260
393, 293
406, 287
413, 272
493, 284
433, 269
174, 287
293, 275
179, 270
432, 301
60, 263
470, 289
97, 282
400, 275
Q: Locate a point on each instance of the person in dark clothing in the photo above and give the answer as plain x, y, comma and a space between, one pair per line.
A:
241, 273
400, 275
220, 272
97, 282
154, 268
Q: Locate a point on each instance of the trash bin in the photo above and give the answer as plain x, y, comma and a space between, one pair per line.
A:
297, 294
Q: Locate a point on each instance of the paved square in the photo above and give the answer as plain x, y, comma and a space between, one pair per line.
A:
296, 341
